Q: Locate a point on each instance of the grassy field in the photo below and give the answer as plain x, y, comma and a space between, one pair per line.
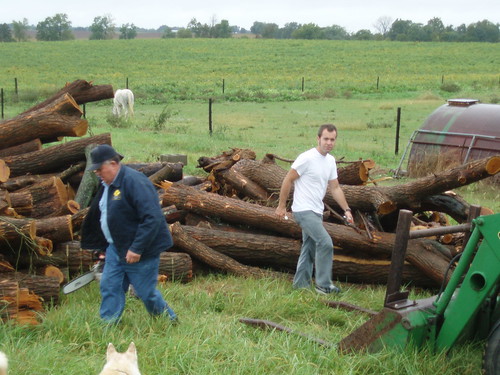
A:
263, 108
211, 340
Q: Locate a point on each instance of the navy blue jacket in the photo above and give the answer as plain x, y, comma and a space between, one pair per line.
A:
135, 219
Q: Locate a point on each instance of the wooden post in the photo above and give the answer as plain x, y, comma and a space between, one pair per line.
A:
378, 80
84, 111
210, 116
1, 99
223, 85
15, 88
126, 84
398, 126
442, 79
398, 253
302, 84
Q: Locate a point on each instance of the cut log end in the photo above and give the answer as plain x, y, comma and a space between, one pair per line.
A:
493, 165
386, 208
4, 171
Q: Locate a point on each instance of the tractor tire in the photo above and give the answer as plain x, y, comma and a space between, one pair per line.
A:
491, 359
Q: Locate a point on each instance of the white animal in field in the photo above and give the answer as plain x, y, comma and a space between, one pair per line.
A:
123, 103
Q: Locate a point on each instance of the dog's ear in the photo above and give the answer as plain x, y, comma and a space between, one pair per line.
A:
132, 349
111, 350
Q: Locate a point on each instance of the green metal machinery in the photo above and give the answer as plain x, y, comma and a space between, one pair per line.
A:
468, 308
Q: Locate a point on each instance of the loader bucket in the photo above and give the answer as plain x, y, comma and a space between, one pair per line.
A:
392, 327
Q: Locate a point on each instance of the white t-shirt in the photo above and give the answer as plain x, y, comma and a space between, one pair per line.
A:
315, 170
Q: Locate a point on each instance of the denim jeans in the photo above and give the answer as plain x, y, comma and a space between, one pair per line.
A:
316, 251
116, 278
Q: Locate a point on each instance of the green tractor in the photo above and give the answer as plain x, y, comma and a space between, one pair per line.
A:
468, 308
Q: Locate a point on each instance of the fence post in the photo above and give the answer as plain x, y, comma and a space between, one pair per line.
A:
442, 79
15, 87
84, 111
398, 126
210, 116
378, 80
302, 84
223, 85
1, 99
126, 84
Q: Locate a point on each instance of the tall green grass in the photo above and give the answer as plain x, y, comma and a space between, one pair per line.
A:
211, 340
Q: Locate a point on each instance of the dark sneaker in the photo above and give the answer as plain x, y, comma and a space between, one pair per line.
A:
331, 289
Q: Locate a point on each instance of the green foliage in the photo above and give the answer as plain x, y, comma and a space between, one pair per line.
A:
128, 31
160, 122
450, 87
54, 28
5, 33
102, 28
20, 30
118, 121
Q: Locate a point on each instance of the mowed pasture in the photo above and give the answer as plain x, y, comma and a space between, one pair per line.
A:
252, 69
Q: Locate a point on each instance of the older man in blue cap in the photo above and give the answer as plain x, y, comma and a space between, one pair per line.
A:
125, 220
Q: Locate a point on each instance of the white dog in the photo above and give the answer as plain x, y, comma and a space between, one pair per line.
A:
3, 364
120, 363
123, 103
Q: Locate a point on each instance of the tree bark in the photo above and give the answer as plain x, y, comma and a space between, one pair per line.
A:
170, 172
213, 258
176, 266
23, 148
45, 287
13, 229
420, 253
54, 158
59, 118
57, 229
89, 183
81, 91
282, 254
48, 196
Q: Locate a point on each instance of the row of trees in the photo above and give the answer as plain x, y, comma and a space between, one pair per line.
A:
59, 27
398, 30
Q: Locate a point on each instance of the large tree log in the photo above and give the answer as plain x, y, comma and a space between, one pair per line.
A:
89, 183
59, 118
45, 287
57, 228
18, 304
420, 253
71, 255
170, 172
81, 91
176, 266
53, 158
386, 199
282, 253
12, 229
23, 148
213, 258
48, 196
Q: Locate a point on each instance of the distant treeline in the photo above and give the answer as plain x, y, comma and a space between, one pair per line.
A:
59, 27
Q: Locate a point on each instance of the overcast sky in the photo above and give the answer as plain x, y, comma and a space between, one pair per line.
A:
353, 15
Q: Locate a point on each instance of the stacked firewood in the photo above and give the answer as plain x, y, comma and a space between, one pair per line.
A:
229, 222
44, 191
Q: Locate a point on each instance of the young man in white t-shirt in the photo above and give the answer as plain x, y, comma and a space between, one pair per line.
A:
311, 174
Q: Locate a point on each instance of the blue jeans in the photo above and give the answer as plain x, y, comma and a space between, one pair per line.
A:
116, 278
316, 251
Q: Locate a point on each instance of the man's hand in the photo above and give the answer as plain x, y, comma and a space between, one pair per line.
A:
348, 217
281, 212
132, 257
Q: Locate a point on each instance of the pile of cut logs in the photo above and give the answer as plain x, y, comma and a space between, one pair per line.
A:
223, 222
44, 191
